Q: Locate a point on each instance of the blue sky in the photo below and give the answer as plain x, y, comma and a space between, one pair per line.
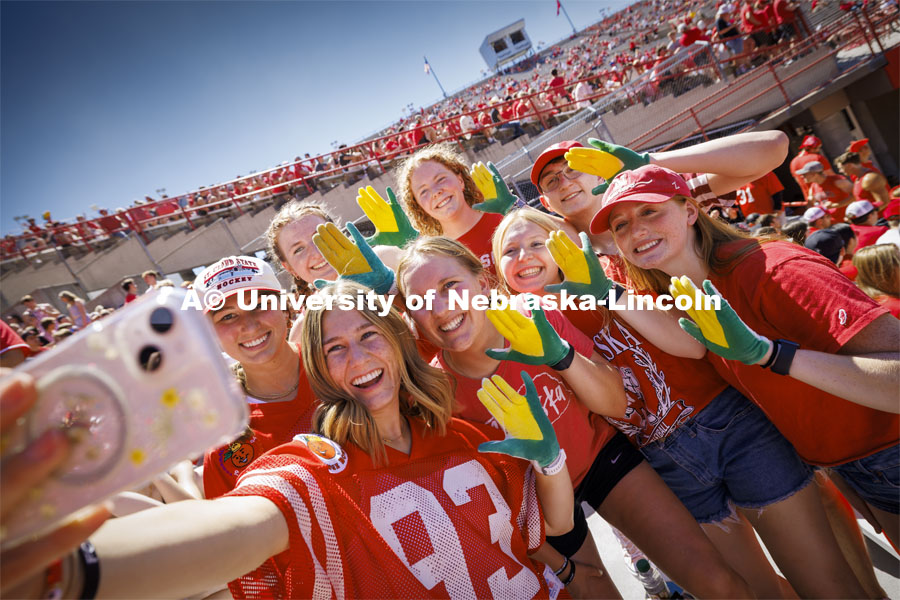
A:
105, 102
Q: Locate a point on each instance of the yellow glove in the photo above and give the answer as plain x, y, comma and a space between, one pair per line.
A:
532, 341
580, 266
392, 226
509, 408
340, 252
721, 331
497, 197
529, 434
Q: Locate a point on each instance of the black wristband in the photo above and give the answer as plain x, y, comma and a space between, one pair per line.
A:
776, 346
569, 543
90, 568
782, 362
566, 361
571, 574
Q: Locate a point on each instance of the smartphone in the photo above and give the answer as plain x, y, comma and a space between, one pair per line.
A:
137, 392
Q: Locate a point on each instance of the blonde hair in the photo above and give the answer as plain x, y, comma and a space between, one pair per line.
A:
446, 155
426, 392
879, 270
709, 234
528, 215
545, 222
439, 246
290, 212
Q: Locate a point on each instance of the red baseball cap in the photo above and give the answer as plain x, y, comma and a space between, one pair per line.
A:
810, 141
892, 209
551, 153
857, 145
649, 183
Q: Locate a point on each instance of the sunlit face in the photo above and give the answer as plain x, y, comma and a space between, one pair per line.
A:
249, 336
450, 328
571, 197
438, 190
525, 262
302, 258
361, 360
650, 235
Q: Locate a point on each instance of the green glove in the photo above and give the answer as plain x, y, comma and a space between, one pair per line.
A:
497, 197
580, 266
356, 262
605, 160
721, 331
532, 341
392, 226
529, 432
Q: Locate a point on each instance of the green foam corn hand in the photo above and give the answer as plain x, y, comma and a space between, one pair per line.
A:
532, 341
529, 434
605, 160
581, 268
392, 226
721, 331
497, 197
355, 261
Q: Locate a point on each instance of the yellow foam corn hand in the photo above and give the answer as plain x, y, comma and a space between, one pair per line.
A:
497, 197
355, 261
509, 408
604, 160
532, 341
340, 252
530, 434
721, 330
392, 226
580, 266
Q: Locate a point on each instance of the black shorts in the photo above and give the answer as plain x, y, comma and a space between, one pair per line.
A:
614, 461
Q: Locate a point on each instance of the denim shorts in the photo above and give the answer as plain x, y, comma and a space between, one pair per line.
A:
728, 453
876, 478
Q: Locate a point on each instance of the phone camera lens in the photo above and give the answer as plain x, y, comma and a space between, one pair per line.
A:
161, 320
150, 358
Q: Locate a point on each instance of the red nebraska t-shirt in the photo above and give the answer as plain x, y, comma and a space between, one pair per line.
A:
663, 391
784, 291
478, 239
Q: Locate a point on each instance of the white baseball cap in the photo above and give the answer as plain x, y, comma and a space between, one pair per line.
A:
231, 275
860, 208
814, 213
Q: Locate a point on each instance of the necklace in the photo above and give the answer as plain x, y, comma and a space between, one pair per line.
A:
399, 437
279, 396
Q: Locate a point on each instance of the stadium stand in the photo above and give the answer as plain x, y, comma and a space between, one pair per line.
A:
621, 79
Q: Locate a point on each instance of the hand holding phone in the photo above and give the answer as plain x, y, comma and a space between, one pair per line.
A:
134, 394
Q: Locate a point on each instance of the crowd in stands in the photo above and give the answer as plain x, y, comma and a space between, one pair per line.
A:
536, 93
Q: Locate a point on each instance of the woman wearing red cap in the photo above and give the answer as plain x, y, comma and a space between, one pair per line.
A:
711, 445
810, 150
829, 385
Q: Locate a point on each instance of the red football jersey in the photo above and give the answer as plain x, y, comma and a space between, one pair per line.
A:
443, 521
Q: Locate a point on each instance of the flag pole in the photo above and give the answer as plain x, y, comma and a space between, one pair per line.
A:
433, 74
560, 4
